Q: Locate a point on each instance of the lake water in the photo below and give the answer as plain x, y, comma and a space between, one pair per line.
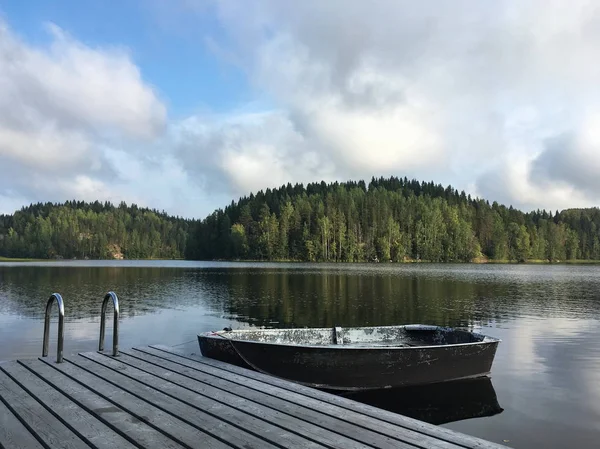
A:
545, 384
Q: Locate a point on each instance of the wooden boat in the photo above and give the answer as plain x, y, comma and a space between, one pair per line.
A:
356, 358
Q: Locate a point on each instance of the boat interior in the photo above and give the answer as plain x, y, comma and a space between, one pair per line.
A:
396, 336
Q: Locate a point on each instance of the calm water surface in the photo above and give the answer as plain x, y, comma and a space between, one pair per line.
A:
545, 385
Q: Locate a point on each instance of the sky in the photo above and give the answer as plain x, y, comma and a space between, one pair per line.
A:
184, 105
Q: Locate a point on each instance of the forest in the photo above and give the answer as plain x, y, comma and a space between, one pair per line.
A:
390, 219
79, 230
387, 220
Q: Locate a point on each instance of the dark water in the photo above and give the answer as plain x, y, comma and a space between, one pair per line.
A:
545, 385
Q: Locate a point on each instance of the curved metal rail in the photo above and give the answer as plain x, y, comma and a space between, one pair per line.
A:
115, 301
61, 319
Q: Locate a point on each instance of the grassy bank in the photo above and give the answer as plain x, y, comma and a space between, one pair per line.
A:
545, 262
407, 261
413, 261
24, 259
11, 259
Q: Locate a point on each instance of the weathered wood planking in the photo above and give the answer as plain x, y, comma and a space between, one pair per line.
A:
79, 421
13, 434
460, 439
209, 417
107, 412
53, 432
364, 428
368, 432
143, 405
154, 397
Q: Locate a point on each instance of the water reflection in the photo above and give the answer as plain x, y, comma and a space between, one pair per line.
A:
296, 299
292, 296
437, 404
546, 372
142, 290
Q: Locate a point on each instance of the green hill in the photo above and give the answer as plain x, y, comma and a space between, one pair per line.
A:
389, 219
96, 230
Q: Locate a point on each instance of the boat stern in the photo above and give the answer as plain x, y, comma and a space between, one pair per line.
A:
215, 346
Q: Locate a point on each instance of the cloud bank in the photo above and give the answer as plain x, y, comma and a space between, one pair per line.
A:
498, 98
61, 108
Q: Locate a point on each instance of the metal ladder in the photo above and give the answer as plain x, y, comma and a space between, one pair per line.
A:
115, 301
61, 319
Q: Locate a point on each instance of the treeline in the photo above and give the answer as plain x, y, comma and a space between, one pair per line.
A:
96, 230
390, 219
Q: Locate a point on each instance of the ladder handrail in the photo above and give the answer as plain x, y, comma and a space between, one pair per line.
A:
61, 318
115, 301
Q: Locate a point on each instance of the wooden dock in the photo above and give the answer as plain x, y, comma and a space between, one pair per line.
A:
154, 397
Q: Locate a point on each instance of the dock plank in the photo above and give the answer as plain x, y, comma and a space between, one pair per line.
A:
343, 422
157, 397
182, 386
13, 434
121, 421
360, 422
52, 432
190, 403
174, 428
463, 440
86, 426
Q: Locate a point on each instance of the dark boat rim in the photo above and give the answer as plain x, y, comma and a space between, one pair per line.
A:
486, 340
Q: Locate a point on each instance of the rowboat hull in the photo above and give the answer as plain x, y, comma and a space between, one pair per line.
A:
347, 367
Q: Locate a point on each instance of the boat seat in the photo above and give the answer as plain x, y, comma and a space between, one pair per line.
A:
338, 338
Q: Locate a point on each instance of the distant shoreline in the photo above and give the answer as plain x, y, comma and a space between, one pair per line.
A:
24, 259
407, 262
411, 262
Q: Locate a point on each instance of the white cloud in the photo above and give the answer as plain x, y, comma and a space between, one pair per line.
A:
466, 92
72, 86
498, 98
61, 108
44, 148
245, 152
